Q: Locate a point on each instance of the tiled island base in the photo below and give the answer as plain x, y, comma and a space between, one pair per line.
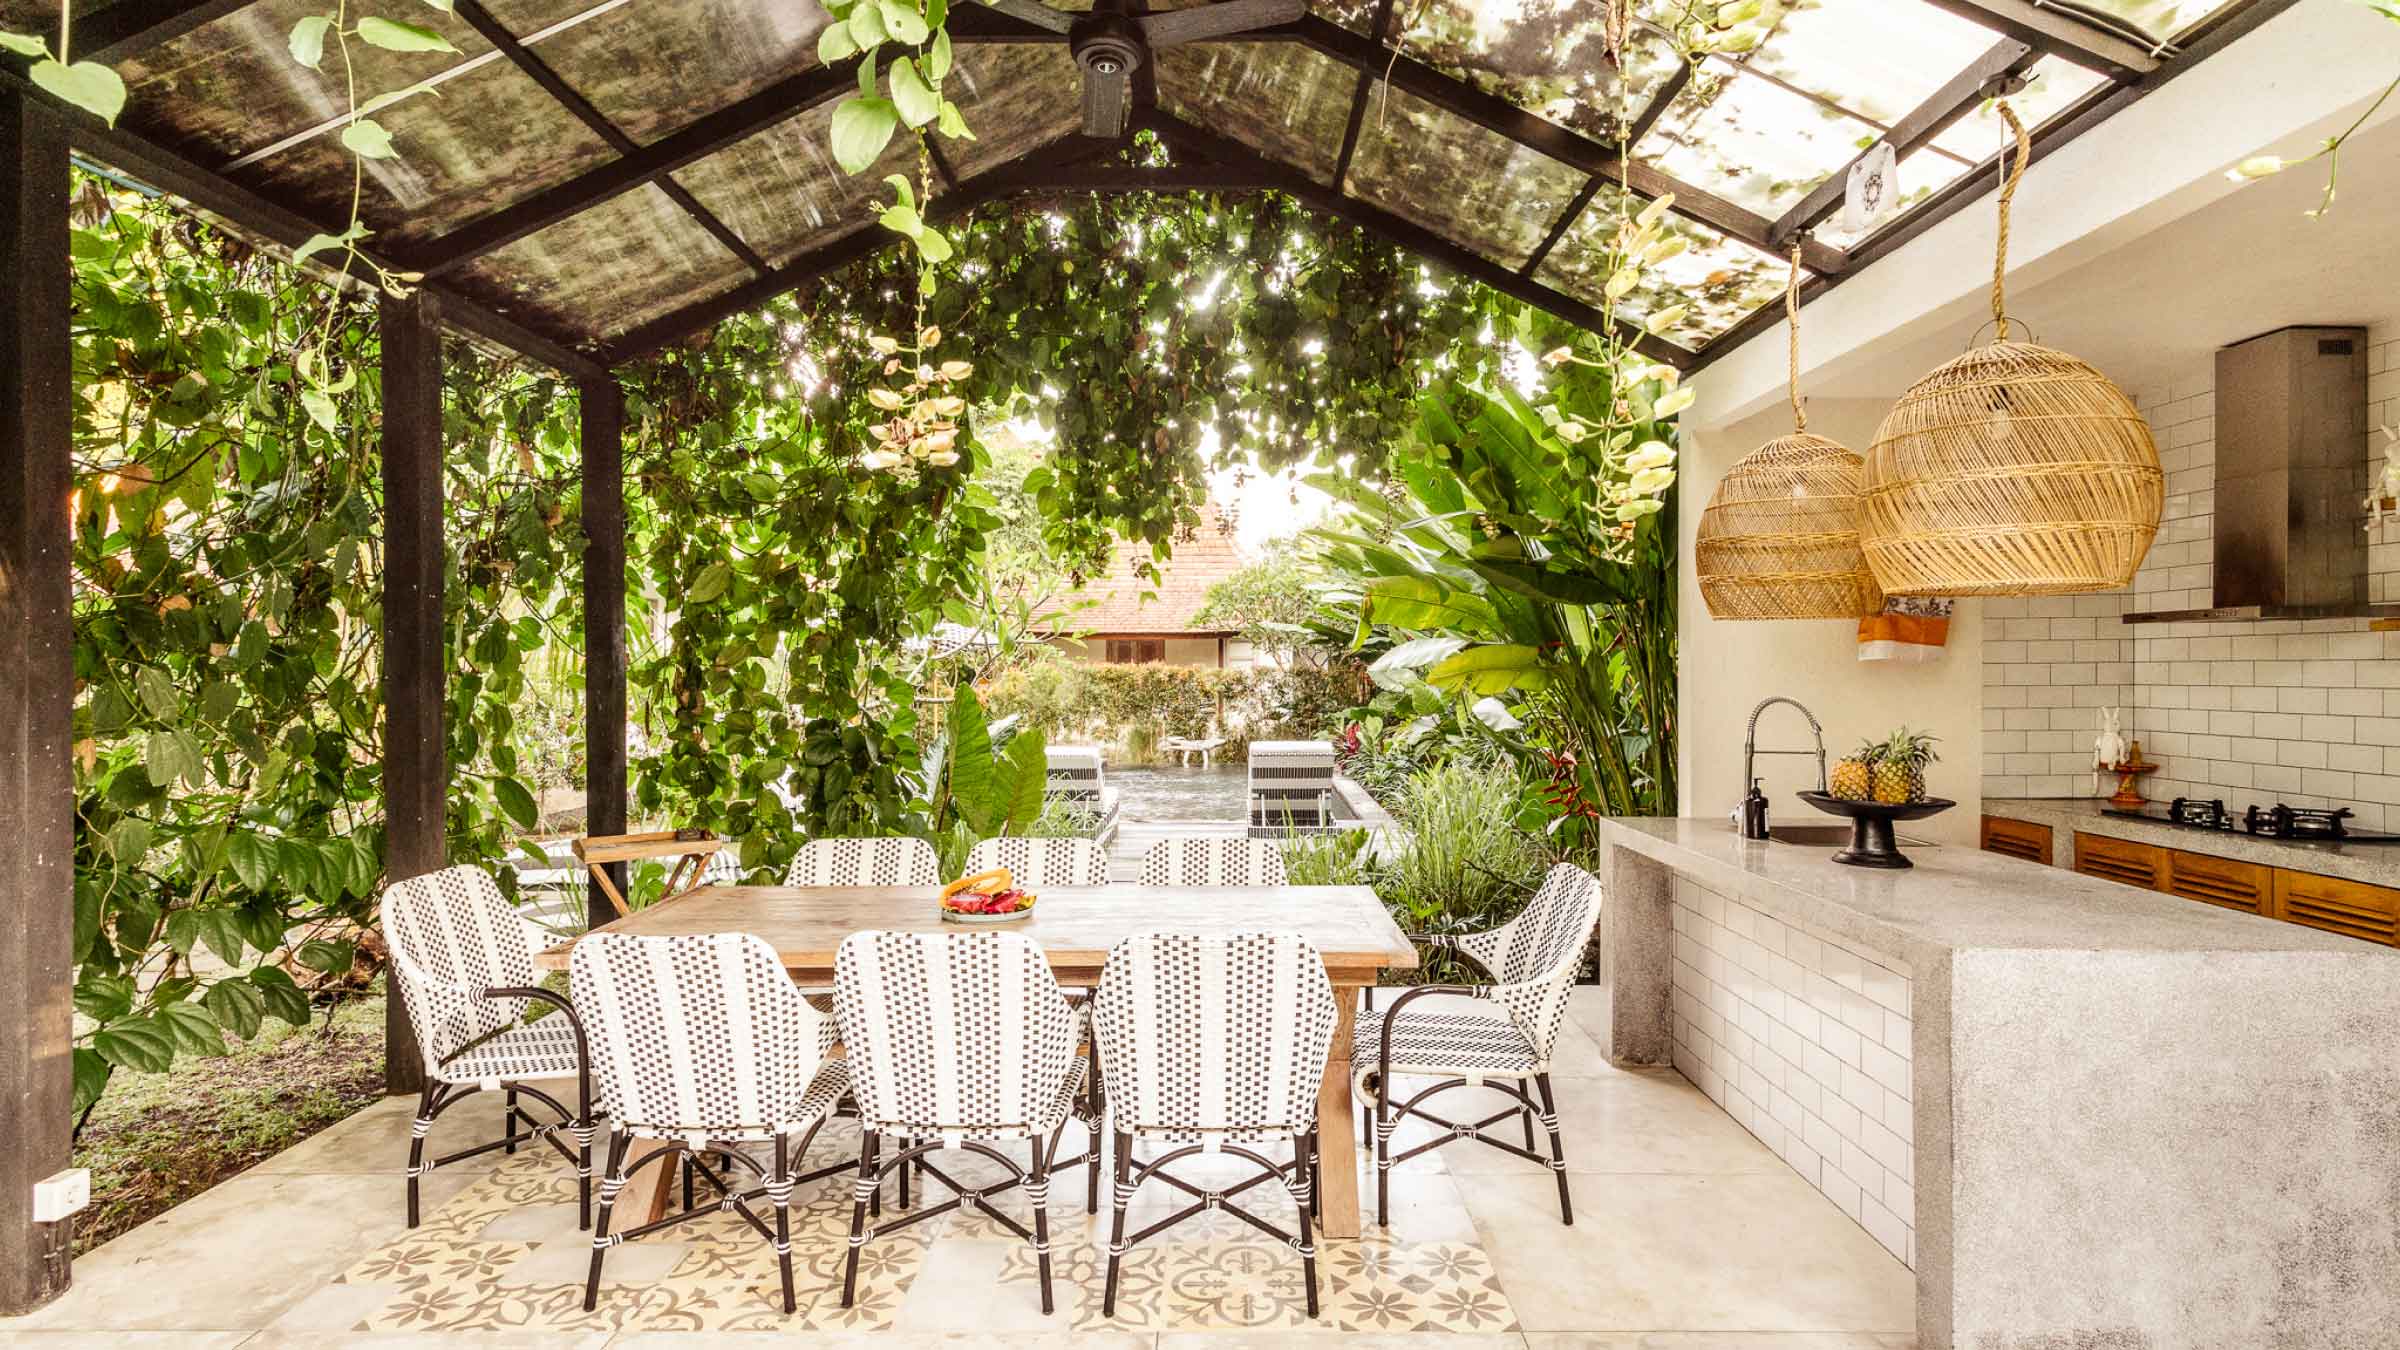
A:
1805, 1041
2085, 1114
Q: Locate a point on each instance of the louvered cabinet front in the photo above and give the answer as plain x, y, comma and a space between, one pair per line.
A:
2017, 839
2144, 865
2351, 908
2248, 887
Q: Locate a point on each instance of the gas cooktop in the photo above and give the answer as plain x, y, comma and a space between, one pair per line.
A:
2304, 824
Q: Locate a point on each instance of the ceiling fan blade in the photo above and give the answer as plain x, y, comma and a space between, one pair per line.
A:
1033, 12
1107, 100
1223, 19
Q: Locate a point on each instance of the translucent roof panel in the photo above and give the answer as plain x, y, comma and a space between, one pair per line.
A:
1456, 179
620, 264
2159, 18
1721, 280
1290, 103
782, 193
2052, 86
1877, 59
1548, 57
1753, 142
481, 142
1016, 97
633, 61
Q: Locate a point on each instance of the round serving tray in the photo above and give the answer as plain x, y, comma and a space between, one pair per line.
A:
953, 916
1871, 843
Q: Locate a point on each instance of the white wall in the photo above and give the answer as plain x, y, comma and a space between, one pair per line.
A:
1728, 667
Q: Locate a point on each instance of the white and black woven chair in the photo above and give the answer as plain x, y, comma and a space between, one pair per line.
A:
723, 868
1213, 860
1533, 959
462, 958
1214, 1045
957, 1041
898, 861
702, 1043
1036, 863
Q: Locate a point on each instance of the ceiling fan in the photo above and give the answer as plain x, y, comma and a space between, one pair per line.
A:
1110, 44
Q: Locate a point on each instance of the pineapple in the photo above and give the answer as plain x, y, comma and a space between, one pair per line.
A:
1853, 773
1899, 771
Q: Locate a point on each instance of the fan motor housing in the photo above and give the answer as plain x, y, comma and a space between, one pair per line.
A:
1108, 44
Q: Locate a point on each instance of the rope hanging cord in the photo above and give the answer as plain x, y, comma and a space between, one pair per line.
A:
2008, 192
1791, 312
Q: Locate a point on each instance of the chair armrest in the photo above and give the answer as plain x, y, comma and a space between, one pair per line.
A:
583, 1046
1391, 1015
1447, 942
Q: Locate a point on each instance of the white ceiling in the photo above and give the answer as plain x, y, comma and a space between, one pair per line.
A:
2247, 264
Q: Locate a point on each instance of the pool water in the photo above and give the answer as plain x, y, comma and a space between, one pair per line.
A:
1170, 793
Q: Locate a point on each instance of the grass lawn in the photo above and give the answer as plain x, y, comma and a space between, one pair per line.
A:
156, 1140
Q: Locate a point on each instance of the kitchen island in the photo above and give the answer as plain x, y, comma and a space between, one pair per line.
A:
2085, 1114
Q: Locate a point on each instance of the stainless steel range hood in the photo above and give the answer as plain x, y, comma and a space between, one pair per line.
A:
2291, 475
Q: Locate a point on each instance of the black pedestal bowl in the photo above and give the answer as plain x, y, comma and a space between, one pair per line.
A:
1871, 843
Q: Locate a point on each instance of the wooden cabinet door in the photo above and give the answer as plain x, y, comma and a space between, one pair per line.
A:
2144, 865
2351, 908
2017, 839
2249, 887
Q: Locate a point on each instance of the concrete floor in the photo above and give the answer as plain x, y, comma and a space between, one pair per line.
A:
1689, 1235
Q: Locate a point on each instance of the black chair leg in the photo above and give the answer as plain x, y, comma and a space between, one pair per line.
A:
1037, 1189
508, 1124
1306, 1146
1558, 1149
417, 1130
905, 1169
866, 1188
614, 1182
779, 1193
1122, 1144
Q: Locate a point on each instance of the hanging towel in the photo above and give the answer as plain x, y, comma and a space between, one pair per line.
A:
1910, 628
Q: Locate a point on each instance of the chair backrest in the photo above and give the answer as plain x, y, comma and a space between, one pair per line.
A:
1535, 955
723, 867
1036, 863
1291, 764
1213, 860
452, 935
1075, 774
952, 1033
1214, 1035
899, 861
700, 1036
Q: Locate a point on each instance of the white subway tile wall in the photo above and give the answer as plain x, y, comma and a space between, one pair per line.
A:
2302, 712
1805, 1041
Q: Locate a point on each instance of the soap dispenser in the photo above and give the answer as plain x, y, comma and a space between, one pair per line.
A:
1754, 812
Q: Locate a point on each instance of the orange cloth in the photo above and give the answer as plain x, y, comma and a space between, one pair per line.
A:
1897, 636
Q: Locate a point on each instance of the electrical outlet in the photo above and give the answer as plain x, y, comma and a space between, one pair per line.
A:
61, 1194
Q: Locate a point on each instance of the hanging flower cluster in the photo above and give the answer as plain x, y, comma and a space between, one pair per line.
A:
1633, 478
922, 428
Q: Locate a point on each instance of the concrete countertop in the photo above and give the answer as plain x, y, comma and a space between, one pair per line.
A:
2375, 864
1956, 899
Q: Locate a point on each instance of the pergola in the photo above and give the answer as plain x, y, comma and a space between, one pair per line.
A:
588, 181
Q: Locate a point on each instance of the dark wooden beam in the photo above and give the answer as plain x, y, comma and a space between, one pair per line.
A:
416, 771
736, 122
2005, 61
588, 113
127, 28
2061, 35
603, 417
1668, 91
1358, 102
37, 700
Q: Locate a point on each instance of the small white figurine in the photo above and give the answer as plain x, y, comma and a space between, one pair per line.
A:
2108, 749
2387, 486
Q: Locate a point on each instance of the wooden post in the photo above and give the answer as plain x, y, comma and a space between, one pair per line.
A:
37, 692
604, 626
416, 774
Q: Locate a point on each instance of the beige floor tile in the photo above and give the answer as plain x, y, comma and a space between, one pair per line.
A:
121, 1340
277, 1339
1700, 1253
892, 1340
376, 1139
1338, 1340
959, 1289
1719, 1341
236, 1256
1650, 1120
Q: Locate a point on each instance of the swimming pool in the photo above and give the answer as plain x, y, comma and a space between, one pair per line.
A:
1171, 793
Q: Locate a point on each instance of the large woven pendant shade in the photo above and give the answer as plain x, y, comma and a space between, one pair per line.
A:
1779, 539
2012, 470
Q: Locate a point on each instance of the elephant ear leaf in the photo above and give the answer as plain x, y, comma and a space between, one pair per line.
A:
1029, 777
974, 786
1423, 603
1498, 668
1551, 584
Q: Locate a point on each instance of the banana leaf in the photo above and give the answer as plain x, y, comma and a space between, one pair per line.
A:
1422, 603
1496, 668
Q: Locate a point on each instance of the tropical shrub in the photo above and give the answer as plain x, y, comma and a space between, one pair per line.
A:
1130, 707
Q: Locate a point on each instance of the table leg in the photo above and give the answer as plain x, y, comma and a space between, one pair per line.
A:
1337, 1127
650, 1192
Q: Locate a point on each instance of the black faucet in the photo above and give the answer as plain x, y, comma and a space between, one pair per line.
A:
1754, 802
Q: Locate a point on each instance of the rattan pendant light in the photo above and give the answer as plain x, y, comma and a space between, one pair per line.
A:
2012, 470
1779, 539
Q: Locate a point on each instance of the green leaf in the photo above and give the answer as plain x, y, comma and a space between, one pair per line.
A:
367, 138
445, 6
91, 1078
834, 43
1416, 654
168, 756
321, 410
223, 935
307, 42
239, 1006
937, 59
284, 999
902, 189
129, 840
136, 1043
1550, 584
395, 36
253, 859
953, 123
194, 1031
23, 44
157, 693
902, 21
974, 787
866, 29
1494, 669
86, 84
901, 220
1423, 603
710, 584
1029, 778
862, 127
327, 956
105, 998
932, 245
517, 801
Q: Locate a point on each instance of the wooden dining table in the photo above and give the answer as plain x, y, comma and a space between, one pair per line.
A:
1076, 927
